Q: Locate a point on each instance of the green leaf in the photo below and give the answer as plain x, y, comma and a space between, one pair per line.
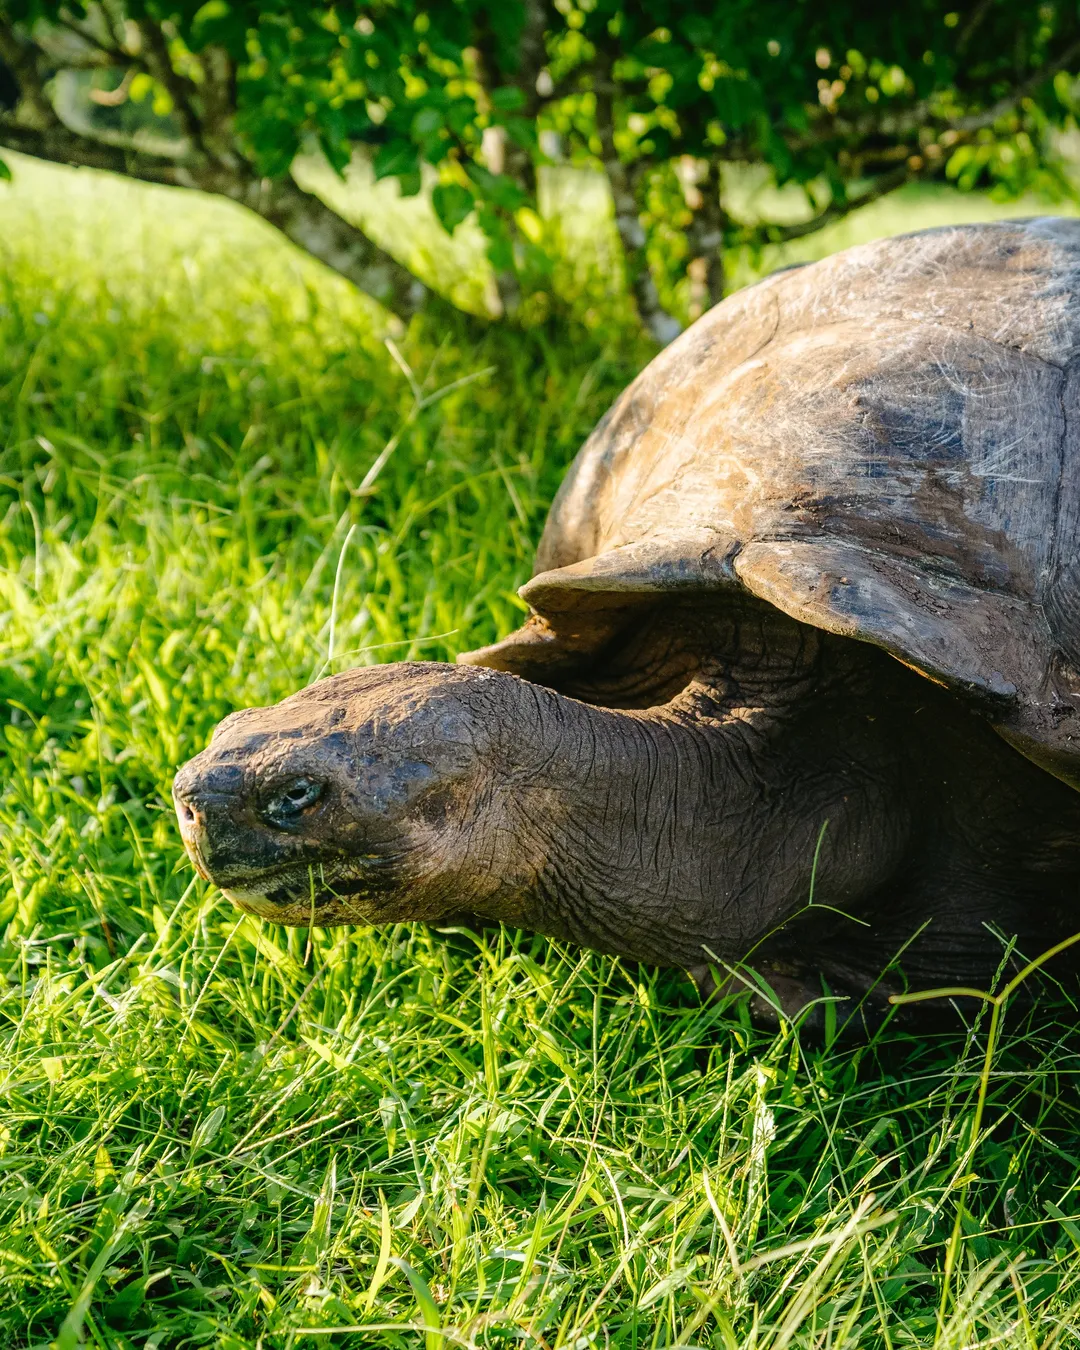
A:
336, 150
507, 99
70, 1333
315, 1241
122, 1309
496, 187
219, 22
141, 87
522, 132
396, 159
5, 173
500, 249
207, 1129
460, 115
213, 9
427, 122
445, 49
452, 204
429, 1309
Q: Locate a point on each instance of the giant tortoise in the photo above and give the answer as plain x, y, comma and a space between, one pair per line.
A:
800, 686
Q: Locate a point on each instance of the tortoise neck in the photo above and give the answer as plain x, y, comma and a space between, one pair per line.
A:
664, 835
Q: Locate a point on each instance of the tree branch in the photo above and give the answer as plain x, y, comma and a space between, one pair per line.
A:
625, 180
532, 53
59, 145
21, 60
898, 126
320, 231
978, 14
302, 217
987, 118
113, 98
217, 97
705, 237
888, 182
178, 88
105, 55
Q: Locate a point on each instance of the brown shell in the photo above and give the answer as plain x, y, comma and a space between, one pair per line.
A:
885, 444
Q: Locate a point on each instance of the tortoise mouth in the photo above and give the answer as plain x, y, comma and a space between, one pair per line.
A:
293, 893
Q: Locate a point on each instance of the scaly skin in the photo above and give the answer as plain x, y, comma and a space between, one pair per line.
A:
675, 834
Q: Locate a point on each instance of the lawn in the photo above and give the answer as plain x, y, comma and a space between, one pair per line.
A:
218, 1132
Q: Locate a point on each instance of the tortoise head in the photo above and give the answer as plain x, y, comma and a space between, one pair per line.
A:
342, 803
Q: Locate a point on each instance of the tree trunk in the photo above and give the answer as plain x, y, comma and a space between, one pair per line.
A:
501, 154
705, 237
625, 181
532, 57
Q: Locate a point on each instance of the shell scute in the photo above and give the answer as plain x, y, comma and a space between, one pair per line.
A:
883, 444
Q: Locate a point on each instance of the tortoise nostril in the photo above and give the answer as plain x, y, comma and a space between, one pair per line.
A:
290, 802
186, 814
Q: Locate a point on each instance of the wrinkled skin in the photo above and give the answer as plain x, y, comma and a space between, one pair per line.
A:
664, 803
875, 453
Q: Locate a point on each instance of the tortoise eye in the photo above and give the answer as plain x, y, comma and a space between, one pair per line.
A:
289, 803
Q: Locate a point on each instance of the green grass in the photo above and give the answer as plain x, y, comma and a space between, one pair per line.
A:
217, 1132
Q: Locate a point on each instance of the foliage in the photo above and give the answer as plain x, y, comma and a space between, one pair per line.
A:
216, 1132
843, 101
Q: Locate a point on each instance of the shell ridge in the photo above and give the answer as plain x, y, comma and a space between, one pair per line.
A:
1061, 594
883, 444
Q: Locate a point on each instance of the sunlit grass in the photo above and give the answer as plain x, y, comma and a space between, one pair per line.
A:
214, 1132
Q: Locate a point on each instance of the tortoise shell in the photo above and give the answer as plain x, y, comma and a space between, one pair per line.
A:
884, 444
